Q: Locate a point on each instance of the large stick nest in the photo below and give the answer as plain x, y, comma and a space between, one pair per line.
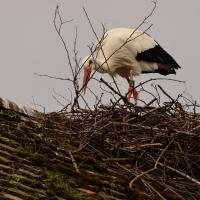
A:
154, 149
117, 152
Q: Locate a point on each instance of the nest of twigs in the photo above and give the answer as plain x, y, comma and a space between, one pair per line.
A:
154, 149
112, 152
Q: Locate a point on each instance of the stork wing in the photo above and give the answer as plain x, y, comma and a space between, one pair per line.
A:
159, 55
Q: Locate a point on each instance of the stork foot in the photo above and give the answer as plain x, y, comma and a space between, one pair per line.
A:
132, 93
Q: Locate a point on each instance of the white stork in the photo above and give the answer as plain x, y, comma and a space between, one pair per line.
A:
128, 52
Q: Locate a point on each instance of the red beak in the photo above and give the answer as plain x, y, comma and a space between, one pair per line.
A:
86, 78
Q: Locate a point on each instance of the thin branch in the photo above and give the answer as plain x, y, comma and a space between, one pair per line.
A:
150, 170
166, 93
116, 92
74, 162
58, 30
181, 173
152, 188
53, 77
100, 45
155, 79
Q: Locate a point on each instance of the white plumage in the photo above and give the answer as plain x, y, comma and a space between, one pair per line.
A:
128, 52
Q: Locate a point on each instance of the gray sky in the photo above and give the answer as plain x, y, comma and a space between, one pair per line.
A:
29, 43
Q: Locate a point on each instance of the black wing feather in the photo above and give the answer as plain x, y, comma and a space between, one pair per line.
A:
159, 55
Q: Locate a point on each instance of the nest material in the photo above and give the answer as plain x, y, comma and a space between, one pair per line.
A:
155, 148
121, 152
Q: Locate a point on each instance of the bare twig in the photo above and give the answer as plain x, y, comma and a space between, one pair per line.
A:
153, 189
100, 45
166, 93
53, 77
150, 170
116, 92
180, 173
74, 162
155, 79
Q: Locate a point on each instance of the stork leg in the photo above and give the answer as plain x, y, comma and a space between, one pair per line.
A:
131, 89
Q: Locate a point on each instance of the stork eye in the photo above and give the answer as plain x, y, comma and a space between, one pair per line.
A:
90, 62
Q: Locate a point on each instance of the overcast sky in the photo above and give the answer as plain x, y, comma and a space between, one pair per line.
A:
29, 43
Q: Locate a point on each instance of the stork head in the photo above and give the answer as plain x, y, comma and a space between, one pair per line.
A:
87, 61
90, 64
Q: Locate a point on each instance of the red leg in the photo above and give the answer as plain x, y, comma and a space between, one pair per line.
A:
132, 93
